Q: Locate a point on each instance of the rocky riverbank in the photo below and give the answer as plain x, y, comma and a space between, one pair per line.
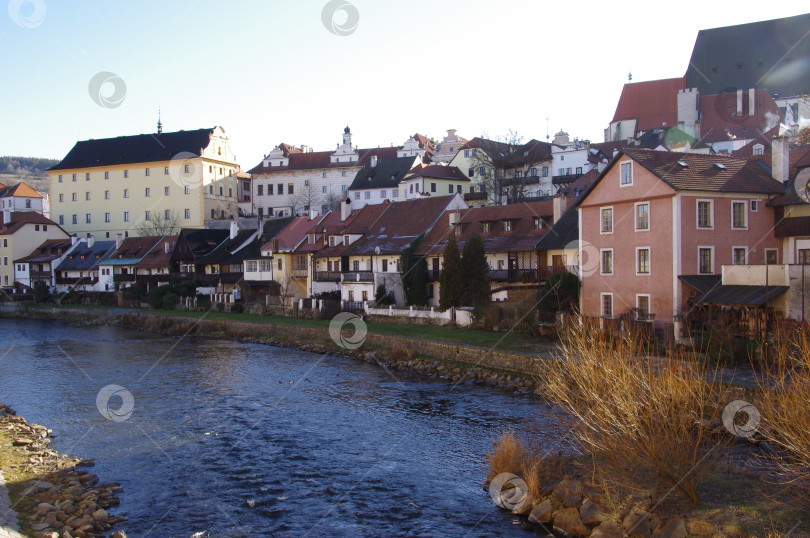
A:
51, 493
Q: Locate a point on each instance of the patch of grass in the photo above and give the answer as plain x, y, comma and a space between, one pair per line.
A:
13, 465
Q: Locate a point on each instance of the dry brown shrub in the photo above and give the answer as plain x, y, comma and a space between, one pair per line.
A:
511, 455
401, 353
638, 411
784, 405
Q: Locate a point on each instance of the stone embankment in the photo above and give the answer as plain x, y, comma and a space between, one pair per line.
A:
571, 508
58, 499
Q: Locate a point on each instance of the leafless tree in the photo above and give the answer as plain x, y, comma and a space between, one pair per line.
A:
508, 167
158, 224
304, 200
333, 200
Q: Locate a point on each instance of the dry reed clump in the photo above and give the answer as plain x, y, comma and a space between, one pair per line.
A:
400, 353
784, 405
511, 455
638, 411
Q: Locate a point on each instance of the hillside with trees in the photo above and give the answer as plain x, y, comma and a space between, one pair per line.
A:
29, 169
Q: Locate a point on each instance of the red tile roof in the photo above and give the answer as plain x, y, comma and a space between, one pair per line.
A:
523, 236
135, 247
701, 172
158, 257
19, 219
358, 223
292, 234
322, 159
652, 102
20, 189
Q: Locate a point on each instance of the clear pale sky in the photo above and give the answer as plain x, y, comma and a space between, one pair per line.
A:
271, 71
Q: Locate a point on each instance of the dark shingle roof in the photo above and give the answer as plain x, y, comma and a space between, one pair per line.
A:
203, 241
135, 149
386, 175
564, 232
773, 55
322, 159
83, 258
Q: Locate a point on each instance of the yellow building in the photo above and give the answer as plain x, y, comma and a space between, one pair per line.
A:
20, 236
158, 182
435, 180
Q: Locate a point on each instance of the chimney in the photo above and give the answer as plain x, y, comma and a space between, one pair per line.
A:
118, 240
234, 229
740, 103
373, 161
752, 97
166, 247
780, 158
91, 240
312, 214
345, 210
73, 239
559, 205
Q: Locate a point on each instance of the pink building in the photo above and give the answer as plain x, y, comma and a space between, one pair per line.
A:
654, 217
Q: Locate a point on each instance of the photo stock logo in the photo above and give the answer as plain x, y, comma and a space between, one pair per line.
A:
182, 170
589, 261
27, 13
507, 490
734, 410
336, 330
107, 407
330, 17
107, 90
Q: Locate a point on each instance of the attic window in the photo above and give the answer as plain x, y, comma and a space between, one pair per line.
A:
682, 164
721, 166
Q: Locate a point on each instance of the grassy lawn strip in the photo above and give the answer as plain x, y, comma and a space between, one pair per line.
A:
473, 337
12, 464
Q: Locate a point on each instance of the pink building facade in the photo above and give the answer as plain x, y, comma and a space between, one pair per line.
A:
654, 216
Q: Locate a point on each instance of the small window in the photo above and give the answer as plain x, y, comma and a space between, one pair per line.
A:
606, 220
643, 261
106, 195
126, 173
165, 170
60, 178
739, 215
607, 305
106, 217
643, 307
754, 206
466, 153
290, 188
167, 214
323, 189
367, 195
642, 217
187, 169
147, 171
260, 190
705, 214
324, 174
739, 255
166, 191
126, 193
187, 189
382, 194
87, 176
705, 260
507, 226
106, 175
147, 192
606, 265
484, 227
545, 171
87, 218
147, 216
75, 219
343, 173
627, 174
126, 216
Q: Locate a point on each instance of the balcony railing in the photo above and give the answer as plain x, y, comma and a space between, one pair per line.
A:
792, 227
474, 196
358, 277
565, 178
40, 274
525, 180
545, 272
118, 277
525, 276
216, 278
433, 276
300, 273
327, 276
75, 280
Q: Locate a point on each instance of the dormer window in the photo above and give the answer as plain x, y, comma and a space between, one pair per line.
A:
507, 226
484, 227
759, 149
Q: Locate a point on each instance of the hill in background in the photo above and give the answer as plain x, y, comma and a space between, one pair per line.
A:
29, 169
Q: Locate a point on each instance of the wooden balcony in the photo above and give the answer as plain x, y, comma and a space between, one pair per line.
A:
525, 180
545, 272
524, 276
327, 276
792, 227
358, 277
217, 278
118, 277
300, 273
75, 281
474, 196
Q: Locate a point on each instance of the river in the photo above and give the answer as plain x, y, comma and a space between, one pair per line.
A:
234, 439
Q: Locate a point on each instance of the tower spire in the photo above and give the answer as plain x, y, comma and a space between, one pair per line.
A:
159, 125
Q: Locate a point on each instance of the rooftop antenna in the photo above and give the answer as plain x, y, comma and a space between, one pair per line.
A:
160, 125
547, 136
630, 77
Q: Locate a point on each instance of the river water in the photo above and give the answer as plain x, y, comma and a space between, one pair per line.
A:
233, 439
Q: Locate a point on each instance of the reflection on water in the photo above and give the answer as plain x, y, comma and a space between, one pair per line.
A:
248, 440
